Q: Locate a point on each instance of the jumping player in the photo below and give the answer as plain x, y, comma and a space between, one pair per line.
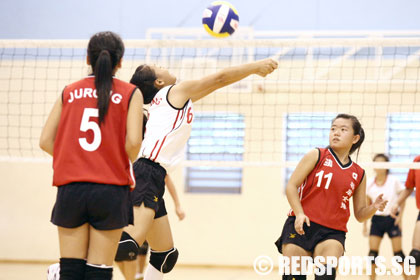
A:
319, 193
413, 181
93, 133
382, 222
167, 131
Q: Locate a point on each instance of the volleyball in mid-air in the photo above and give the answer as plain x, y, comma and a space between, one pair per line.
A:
220, 19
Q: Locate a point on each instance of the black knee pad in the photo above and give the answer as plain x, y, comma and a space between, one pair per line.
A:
294, 277
72, 269
164, 261
128, 249
374, 254
144, 248
416, 255
400, 254
327, 277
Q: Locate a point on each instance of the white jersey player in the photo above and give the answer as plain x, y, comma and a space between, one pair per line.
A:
167, 131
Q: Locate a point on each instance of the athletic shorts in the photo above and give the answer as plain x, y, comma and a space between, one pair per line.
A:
150, 186
314, 235
384, 224
105, 207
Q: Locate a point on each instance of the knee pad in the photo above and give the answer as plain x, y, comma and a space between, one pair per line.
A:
400, 254
326, 276
128, 249
416, 255
144, 248
164, 261
294, 277
374, 254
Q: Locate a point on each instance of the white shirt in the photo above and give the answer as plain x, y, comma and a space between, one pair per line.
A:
167, 130
390, 190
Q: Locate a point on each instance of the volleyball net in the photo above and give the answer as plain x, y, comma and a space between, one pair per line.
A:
268, 121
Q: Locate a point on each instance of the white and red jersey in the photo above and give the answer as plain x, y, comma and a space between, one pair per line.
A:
390, 190
85, 151
326, 191
167, 130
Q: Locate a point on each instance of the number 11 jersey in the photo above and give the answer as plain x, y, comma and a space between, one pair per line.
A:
326, 191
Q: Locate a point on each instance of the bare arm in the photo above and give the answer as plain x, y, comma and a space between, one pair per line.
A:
134, 126
172, 191
362, 211
365, 227
305, 166
400, 202
197, 89
46, 141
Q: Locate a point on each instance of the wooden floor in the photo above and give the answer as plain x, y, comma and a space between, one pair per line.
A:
23, 271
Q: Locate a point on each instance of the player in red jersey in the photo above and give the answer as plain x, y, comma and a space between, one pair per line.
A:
319, 192
94, 133
168, 129
413, 181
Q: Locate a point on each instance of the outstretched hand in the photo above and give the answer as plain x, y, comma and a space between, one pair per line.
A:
380, 203
266, 66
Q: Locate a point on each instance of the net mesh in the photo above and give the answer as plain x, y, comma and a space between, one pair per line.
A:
258, 121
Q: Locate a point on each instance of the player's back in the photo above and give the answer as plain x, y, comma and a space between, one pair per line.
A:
85, 151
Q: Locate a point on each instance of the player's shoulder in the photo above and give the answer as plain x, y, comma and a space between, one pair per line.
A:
81, 83
417, 159
358, 167
121, 83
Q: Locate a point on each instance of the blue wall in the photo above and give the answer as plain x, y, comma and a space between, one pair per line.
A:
79, 19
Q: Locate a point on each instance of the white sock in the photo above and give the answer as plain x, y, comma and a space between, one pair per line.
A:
152, 273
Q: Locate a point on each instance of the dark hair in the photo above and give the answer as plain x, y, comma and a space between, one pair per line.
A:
144, 122
105, 50
357, 130
384, 156
144, 78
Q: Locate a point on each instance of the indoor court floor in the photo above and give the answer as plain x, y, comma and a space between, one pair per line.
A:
29, 271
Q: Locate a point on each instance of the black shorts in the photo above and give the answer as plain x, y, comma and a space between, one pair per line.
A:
150, 186
418, 217
105, 207
312, 237
384, 224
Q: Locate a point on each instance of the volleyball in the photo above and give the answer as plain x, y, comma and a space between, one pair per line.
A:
220, 19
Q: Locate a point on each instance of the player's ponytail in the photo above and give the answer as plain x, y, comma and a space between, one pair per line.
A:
105, 51
144, 78
103, 82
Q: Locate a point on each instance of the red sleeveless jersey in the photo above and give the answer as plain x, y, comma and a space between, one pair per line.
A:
326, 191
85, 151
413, 181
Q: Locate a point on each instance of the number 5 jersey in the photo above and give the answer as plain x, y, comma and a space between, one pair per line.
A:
85, 151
